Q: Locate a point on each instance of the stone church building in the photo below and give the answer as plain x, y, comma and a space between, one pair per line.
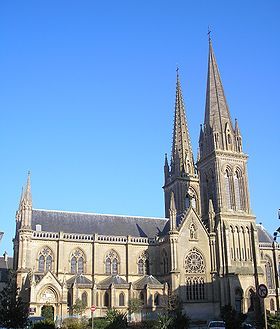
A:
208, 250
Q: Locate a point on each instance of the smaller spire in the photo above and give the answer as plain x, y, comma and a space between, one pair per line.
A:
236, 128
27, 196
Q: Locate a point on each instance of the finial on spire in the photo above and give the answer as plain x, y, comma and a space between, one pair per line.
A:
209, 34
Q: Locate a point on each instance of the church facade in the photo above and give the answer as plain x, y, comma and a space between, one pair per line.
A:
208, 249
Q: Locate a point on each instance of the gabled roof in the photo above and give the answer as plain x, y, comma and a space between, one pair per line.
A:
147, 280
263, 235
115, 280
89, 223
79, 280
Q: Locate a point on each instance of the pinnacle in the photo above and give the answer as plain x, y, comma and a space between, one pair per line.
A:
181, 148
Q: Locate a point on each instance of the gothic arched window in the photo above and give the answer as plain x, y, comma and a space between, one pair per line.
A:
156, 299
165, 262
238, 300
187, 201
106, 299
48, 263
121, 299
41, 264
272, 305
45, 260
115, 266
228, 189
77, 261
141, 266
108, 266
111, 263
143, 263
237, 190
268, 273
84, 299
251, 299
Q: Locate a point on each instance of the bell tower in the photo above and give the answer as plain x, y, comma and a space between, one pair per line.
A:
180, 177
222, 168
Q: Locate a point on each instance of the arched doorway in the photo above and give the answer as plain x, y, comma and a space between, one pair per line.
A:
47, 311
49, 301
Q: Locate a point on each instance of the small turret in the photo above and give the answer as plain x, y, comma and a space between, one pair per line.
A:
166, 168
25, 209
238, 138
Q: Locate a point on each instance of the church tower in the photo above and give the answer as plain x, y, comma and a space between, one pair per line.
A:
180, 177
223, 176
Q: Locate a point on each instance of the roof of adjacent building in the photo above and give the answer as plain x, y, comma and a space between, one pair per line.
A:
8, 265
147, 280
79, 280
263, 235
90, 223
115, 280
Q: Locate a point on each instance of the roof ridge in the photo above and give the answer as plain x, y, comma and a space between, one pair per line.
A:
92, 213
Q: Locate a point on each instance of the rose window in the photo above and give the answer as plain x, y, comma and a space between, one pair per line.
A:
194, 262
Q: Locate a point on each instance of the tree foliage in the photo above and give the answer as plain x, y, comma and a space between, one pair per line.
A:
13, 311
116, 319
79, 307
273, 321
46, 324
232, 318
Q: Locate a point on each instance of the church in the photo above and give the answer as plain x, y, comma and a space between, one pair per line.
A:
208, 249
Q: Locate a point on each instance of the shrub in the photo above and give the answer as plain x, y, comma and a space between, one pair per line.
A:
75, 323
46, 324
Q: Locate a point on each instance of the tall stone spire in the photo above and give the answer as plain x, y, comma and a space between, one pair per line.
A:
181, 177
218, 129
182, 157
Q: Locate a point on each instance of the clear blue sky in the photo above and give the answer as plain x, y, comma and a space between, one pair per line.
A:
87, 92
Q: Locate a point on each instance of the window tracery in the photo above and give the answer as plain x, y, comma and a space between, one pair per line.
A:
268, 273
112, 263
194, 262
195, 288
144, 263
77, 262
165, 263
45, 260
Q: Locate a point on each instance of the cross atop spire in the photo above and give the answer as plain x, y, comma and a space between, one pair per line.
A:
182, 157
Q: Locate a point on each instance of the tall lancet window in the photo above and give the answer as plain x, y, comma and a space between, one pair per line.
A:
237, 186
228, 190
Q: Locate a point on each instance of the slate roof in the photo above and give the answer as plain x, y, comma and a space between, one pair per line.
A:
80, 280
147, 280
114, 279
89, 223
263, 235
5, 267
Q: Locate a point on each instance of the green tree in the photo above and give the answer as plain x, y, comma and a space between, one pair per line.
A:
134, 306
79, 307
164, 322
116, 319
273, 321
47, 312
232, 318
46, 324
13, 311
